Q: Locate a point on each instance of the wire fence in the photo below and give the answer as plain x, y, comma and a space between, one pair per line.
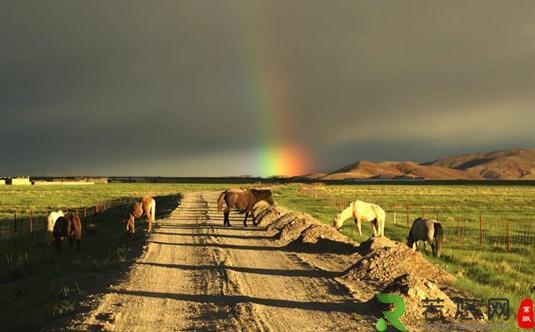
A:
35, 222
461, 227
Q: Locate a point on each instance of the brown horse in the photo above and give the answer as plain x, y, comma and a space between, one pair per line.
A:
147, 207
243, 200
68, 226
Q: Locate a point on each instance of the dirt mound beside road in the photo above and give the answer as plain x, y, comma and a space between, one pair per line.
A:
384, 260
301, 232
280, 223
294, 228
414, 291
321, 238
266, 214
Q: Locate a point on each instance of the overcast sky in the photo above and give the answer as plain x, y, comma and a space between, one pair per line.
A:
168, 87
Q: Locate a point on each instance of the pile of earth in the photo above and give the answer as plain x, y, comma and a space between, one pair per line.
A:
388, 266
301, 232
266, 214
383, 260
421, 295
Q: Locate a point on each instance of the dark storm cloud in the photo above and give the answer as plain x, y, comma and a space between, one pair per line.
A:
165, 87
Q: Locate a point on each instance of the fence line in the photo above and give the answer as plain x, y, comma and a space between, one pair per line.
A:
36, 220
459, 228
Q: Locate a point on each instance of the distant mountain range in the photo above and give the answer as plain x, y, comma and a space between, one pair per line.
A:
511, 164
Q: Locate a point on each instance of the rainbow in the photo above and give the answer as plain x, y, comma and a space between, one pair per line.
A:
277, 152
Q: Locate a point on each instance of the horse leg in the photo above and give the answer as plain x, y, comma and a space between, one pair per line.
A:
149, 224
128, 225
79, 240
431, 241
374, 225
245, 219
359, 226
254, 221
226, 218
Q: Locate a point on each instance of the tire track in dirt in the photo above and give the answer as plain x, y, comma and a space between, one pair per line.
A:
198, 275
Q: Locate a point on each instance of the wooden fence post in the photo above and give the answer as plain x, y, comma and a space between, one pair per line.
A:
507, 240
480, 229
458, 230
31, 225
407, 210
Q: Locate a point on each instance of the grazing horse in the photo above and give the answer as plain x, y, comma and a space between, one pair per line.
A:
68, 226
361, 211
147, 207
51, 221
243, 200
427, 230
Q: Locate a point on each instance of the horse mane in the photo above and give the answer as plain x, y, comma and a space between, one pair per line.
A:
260, 192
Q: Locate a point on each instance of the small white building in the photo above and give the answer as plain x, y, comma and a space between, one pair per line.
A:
19, 180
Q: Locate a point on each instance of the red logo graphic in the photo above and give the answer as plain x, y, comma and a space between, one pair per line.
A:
524, 316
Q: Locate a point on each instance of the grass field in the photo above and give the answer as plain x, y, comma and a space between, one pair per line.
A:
30, 270
484, 271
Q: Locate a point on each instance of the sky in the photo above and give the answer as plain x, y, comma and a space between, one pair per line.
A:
224, 88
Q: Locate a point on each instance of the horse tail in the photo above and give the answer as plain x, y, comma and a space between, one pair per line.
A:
439, 237
220, 201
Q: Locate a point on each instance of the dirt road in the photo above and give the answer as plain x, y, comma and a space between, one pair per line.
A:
198, 275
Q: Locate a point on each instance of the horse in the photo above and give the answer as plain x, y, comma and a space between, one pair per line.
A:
243, 200
51, 221
137, 209
427, 230
361, 211
68, 226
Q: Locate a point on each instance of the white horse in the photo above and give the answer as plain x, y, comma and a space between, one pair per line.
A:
361, 211
427, 230
52, 217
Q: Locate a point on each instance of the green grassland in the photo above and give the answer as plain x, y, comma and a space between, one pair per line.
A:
484, 270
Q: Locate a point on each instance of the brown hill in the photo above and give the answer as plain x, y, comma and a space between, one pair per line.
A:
504, 164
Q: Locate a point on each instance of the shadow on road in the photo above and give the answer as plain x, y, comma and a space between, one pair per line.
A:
273, 272
361, 308
244, 237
